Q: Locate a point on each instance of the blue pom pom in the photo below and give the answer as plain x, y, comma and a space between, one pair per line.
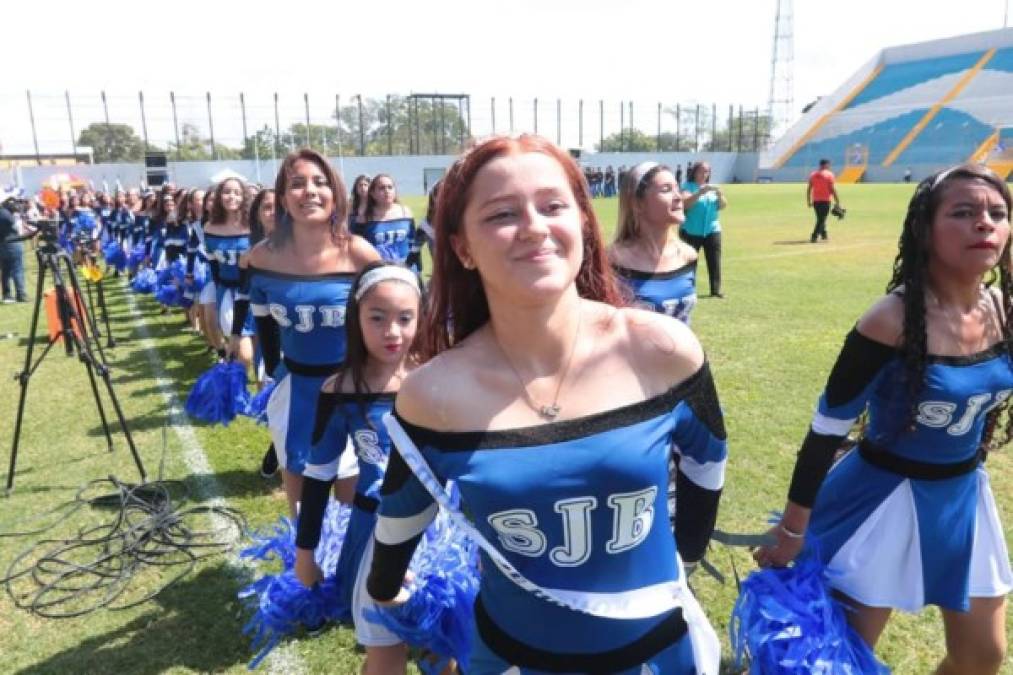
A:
258, 404
281, 604
166, 295
219, 394
438, 616
136, 257
115, 256
788, 623
146, 281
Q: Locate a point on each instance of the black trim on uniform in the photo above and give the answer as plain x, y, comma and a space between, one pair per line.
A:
663, 635
815, 458
396, 475
968, 359
269, 335
390, 561
696, 513
365, 503
691, 388
309, 369
910, 468
301, 277
315, 494
860, 359
641, 275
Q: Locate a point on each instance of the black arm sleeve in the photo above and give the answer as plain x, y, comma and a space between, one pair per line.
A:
192, 246
696, 513
860, 361
241, 306
315, 494
270, 342
390, 561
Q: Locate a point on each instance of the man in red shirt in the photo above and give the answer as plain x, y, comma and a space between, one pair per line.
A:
821, 189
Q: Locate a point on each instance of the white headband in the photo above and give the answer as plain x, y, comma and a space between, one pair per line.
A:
386, 273
638, 172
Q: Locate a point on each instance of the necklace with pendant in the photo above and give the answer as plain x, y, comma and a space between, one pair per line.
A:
547, 411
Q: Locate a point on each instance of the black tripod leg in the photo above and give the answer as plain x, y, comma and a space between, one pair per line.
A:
24, 375
91, 309
86, 359
110, 341
104, 372
84, 317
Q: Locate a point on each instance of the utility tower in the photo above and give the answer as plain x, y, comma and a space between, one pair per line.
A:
781, 102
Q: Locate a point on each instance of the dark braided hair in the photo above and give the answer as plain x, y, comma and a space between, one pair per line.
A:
910, 273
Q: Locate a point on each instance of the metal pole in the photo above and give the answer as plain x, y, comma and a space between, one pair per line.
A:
443, 127
756, 128
211, 129
601, 125
536, 115
390, 129
362, 128
511, 102
740, 129
175, 120
696, 130
144, 120
109, 129
460, 124
246, 137
714, 125
70, 119
492, 108
277, 125
337, 117
678, 127
731, 122
418, 128
306, 103
580, 123
657, 141
559, 122
622, 126
31, 117
630, 135
468, 128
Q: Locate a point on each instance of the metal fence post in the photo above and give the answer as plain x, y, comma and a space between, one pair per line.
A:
70, 119
31, 118
492, 109
211, 129
144, 120
175, 119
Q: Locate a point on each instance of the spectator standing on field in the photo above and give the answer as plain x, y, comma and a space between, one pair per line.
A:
818, 195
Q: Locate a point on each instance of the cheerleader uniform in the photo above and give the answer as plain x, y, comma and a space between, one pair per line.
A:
907, 518
672, 293
153, 238
196, 254
223, 252
341, 417
303, 317
392, 239
139, 229
174, 239
576, 506
124, 223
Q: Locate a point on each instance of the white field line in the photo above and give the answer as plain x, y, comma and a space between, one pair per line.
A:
283, 658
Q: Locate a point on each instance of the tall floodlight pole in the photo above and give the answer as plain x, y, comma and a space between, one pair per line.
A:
781, 101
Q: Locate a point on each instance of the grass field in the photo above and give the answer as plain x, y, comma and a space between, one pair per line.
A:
771, 343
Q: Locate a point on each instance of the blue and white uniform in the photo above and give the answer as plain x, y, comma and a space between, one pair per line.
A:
392, 239
672, 293
196, 257
578, 506
174, 236
139, 229
303, 317
341, 418
907, 518
124, 223
107, 216
223, 253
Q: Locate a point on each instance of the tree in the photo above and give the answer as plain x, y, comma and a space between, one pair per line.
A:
192, 147
749, 131
112, 142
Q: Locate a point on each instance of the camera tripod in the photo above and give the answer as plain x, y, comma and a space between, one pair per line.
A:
79, 333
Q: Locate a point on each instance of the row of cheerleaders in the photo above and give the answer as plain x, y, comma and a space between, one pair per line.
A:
562, 546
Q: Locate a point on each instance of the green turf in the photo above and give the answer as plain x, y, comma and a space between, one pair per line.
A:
771, 343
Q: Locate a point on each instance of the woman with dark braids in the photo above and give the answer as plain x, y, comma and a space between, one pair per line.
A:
907, 519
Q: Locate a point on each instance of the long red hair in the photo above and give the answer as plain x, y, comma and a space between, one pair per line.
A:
458, 305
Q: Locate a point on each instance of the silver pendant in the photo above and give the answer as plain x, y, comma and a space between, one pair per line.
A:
549, 411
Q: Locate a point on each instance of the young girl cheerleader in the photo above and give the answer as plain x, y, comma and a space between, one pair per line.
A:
555, 411
299, 280
658, 268
387, 224
226, 239
907, 519
381, 322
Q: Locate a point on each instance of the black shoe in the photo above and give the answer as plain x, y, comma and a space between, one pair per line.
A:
269, 465
812, 239
718, 294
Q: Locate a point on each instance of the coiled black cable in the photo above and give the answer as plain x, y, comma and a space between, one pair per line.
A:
103, 565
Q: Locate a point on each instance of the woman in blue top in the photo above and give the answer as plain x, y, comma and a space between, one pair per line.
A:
386, 223
908, 518
299, 280
555, 411
658, 268
702, 228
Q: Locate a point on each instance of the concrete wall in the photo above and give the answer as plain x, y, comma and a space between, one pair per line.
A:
408, 170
